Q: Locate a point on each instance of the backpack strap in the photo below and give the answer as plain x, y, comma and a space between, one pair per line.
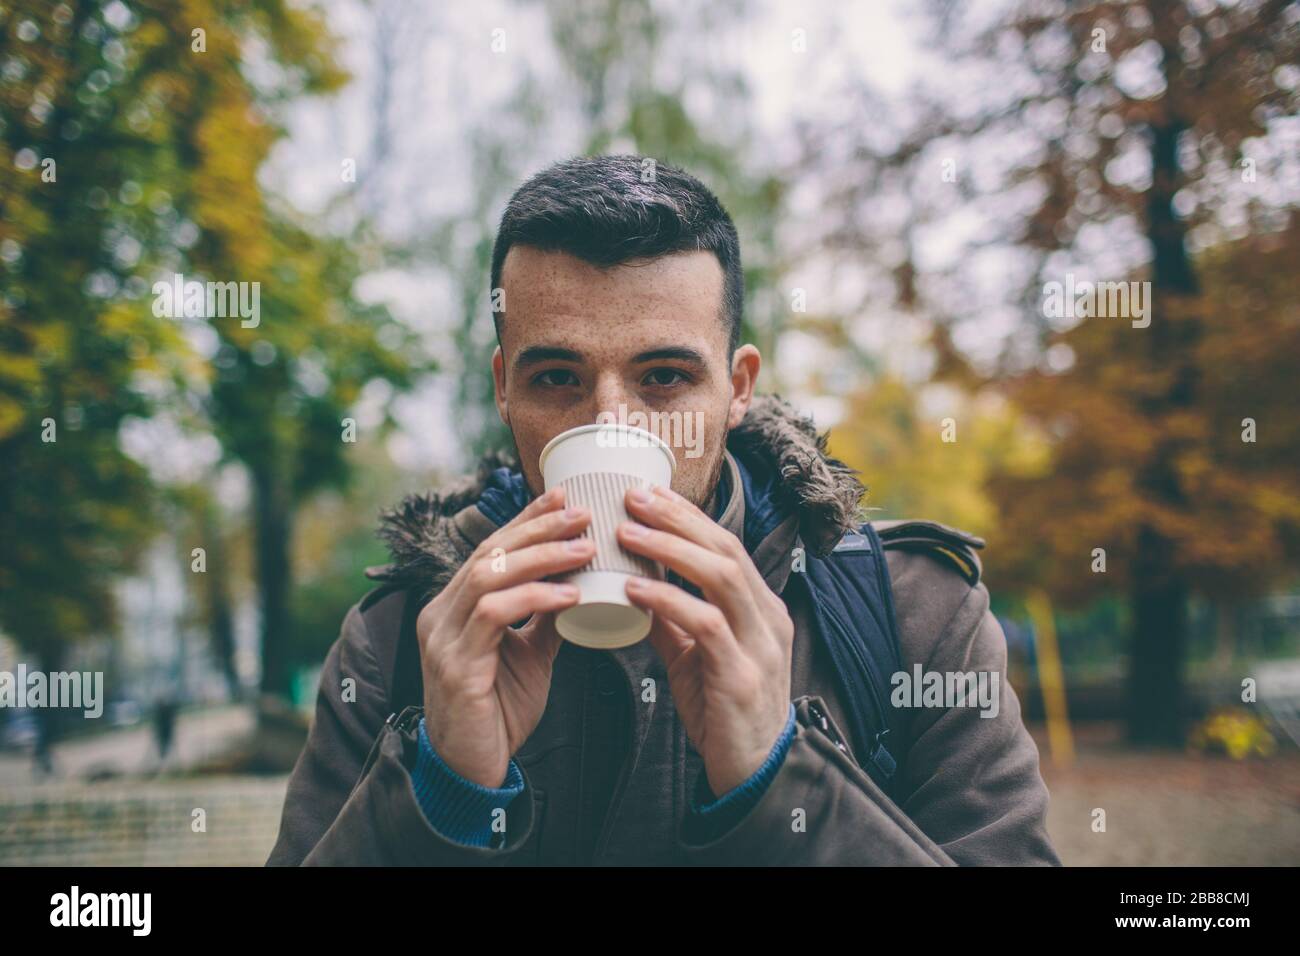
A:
853, 609
407, 680
948, 545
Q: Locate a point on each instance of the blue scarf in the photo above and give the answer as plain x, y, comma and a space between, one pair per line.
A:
506, 494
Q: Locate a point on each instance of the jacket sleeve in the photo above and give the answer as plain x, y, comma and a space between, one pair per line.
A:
460, 809
719, 814
974, 795
351, 798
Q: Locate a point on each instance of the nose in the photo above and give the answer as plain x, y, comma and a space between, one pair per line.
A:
609, 393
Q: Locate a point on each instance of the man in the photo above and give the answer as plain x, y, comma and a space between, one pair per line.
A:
719, 739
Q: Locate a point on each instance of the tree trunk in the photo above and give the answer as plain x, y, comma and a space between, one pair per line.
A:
1225, 635
271, 500
1157, 703
49, 720
221, 627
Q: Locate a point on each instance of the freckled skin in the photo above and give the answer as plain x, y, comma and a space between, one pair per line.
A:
608, 316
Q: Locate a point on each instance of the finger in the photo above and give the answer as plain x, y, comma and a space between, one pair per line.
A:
541, 633
662, 508
668, 511
498, 571
549, 504
548, 500
547, 525
700, 620
496, 611
721, 578
669, 641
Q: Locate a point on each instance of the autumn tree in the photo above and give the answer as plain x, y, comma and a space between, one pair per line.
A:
1114, 140
158, 123
79, 215
932, 451
1234, 532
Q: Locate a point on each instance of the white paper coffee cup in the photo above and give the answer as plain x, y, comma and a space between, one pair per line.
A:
597, 464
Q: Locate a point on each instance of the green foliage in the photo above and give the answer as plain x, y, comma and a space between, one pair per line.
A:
155, 146
75, 226
321, 599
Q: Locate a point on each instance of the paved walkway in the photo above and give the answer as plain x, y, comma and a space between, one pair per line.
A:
199, 735
1172, 809
110, 802
1162, 808
204, 821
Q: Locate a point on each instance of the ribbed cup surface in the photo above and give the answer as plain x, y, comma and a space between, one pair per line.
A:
602, 492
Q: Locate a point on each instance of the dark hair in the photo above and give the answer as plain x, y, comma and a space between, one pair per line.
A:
600, 210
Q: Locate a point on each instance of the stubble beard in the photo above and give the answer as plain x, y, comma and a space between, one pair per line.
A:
701, 497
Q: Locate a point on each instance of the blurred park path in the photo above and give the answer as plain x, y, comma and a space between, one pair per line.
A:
1162, 808
1165, 808
200, 735
151, 823
100, 811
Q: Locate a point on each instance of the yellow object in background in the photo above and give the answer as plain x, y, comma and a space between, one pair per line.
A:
1051, 678
1234, 731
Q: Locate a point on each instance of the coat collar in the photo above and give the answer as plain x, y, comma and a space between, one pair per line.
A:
788, 483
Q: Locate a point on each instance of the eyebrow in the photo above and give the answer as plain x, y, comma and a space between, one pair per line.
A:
681, 353
537, 354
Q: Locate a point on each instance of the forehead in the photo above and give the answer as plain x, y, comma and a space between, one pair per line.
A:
557, 298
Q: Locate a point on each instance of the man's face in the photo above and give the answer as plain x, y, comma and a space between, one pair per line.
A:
578, 340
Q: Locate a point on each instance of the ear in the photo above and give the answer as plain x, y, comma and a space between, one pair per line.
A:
744, 375
499, 386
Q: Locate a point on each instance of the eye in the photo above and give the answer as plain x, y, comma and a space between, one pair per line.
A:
556, 378
665, 377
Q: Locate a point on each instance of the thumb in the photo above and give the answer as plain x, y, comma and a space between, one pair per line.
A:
668, 640
540, 633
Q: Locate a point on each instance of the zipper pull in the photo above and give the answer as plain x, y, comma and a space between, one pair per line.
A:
406, 720
822, 721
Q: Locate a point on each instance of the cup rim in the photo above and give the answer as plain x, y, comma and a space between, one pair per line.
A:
655, 441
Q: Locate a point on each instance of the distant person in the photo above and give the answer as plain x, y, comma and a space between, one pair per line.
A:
42, 750
164, 725
755, 724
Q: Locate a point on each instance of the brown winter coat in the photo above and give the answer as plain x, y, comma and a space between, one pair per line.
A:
609, 775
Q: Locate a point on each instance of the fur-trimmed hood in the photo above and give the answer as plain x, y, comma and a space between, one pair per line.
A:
773, 439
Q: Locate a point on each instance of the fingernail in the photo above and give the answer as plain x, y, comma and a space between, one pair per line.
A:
640, 496
574, 513
633, 530
635, 584
568, 591
579, 544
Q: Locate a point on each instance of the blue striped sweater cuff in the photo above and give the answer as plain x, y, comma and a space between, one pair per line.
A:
459, 809
739, 800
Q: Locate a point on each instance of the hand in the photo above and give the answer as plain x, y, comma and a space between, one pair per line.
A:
486, 684
728, 656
